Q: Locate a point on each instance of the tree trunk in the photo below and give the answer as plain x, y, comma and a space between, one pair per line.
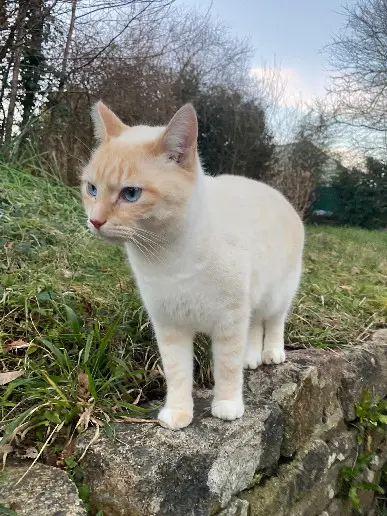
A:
54, 97
2, 91
32, 65
13, 95
63, 78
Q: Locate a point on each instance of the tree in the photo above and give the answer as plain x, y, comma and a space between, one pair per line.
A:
32, 66
358, 56
363, 196
37, 48
233, 134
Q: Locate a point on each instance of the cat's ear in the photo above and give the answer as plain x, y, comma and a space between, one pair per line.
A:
180, 137
106, 124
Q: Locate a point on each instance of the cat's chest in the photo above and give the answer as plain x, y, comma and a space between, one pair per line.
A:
183, 298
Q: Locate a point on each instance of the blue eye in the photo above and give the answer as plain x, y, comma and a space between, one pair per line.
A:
92, 189
131, 193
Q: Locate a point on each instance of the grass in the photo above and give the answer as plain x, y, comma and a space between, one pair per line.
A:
343, 296
71, 320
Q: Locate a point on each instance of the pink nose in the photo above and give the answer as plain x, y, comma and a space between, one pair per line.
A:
97, 223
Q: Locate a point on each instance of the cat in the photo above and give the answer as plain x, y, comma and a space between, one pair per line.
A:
218, 255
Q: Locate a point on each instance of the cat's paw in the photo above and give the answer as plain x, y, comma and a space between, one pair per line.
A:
252, 360
273, 356
226, 409
174, 419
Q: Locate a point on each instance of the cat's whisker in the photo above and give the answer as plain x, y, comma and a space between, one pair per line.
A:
122, 234
152, 243
148, 250
139, 248
152, 234
147, 241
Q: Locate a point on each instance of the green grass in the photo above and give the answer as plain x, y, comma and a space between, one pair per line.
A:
90, 356
70, 298
343, 296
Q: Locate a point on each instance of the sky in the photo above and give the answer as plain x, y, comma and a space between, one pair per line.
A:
290, 33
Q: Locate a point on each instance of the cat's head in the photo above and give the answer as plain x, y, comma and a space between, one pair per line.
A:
140, 176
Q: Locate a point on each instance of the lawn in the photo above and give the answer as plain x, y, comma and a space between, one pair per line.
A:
72, 325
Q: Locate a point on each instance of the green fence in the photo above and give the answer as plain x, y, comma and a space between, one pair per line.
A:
327, 199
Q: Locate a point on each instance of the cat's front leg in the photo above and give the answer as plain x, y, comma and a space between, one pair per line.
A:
228, 348
176, 350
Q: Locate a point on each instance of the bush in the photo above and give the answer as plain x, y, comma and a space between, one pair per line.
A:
363, 196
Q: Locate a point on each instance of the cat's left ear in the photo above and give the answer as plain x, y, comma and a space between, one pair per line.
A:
106, 124
180, 137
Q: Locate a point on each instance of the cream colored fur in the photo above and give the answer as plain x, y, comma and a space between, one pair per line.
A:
219, 255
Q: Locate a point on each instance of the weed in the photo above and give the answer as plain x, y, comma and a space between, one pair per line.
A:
75, 472
371, 414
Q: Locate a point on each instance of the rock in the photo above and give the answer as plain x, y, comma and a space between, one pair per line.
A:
366, 368
305, 388
298, 410
339, 507
148, 470
280, 493
44, 491
236, 507
306, 485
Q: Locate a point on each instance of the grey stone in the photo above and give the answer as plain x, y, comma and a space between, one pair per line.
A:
339, 507
305, 388
298, 409
148, 470
365, 368
307, 485
44, 491
280, 493
236, 507
343, 448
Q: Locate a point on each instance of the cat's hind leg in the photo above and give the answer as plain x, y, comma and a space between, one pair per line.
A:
274, 318
273, 346
254, 347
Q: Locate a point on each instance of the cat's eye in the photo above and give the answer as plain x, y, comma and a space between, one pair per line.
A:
131, 193
92, 189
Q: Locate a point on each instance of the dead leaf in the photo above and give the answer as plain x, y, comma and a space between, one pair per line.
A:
137, 399
4, 451
18, 344
11, 375
135, 420
83, 386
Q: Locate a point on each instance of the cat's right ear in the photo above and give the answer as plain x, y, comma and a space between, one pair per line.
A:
106, 124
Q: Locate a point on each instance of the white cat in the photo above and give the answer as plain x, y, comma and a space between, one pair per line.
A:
220, 255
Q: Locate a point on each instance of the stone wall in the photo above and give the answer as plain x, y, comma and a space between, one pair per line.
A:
282, 458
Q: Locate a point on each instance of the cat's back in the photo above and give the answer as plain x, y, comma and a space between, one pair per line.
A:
253, 209
238, 193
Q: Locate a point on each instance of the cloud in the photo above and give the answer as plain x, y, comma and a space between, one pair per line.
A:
348, 156
287, 85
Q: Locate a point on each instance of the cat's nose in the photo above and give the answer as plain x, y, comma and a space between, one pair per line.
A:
97, 223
